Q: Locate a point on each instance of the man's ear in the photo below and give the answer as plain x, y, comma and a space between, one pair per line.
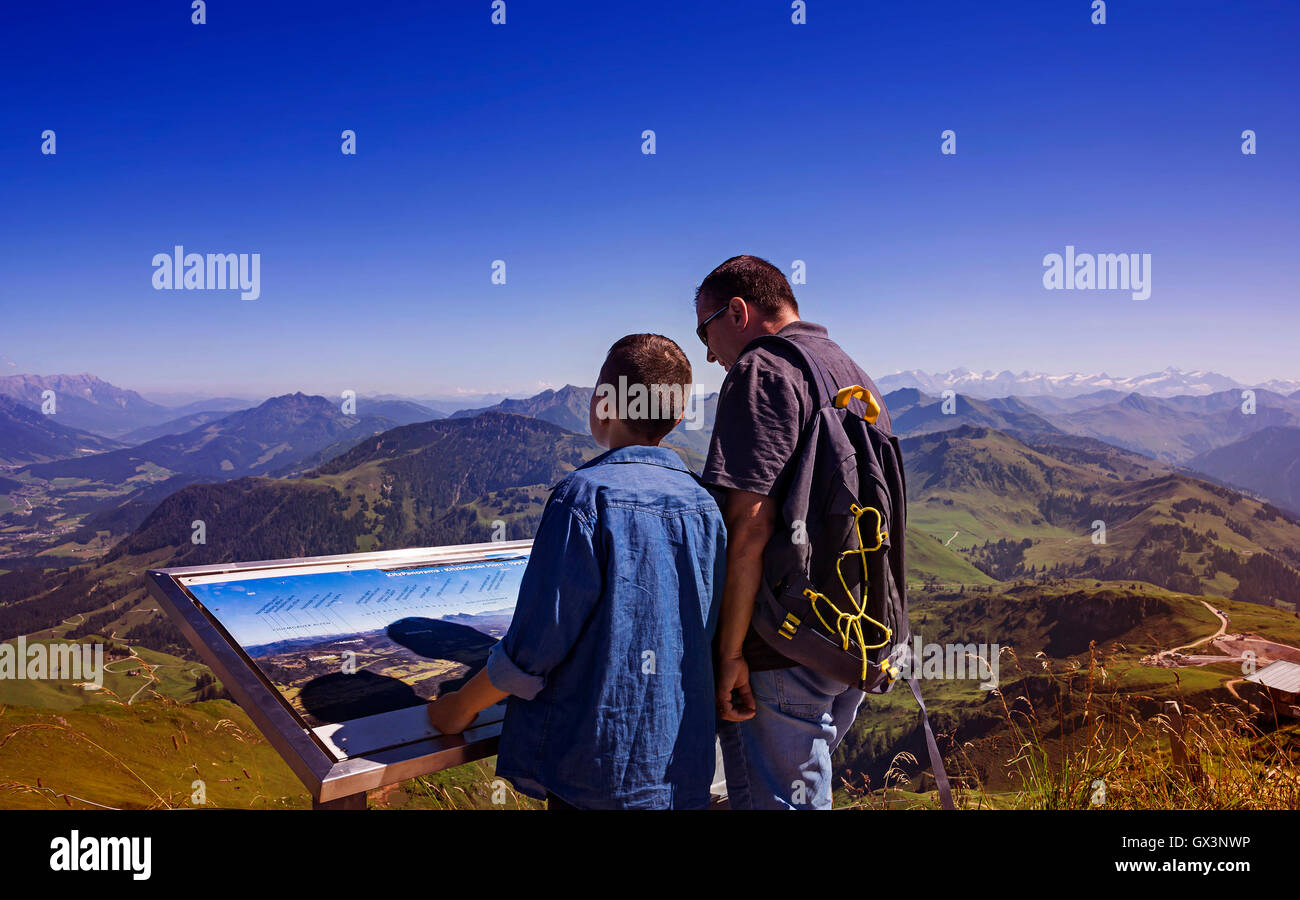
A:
740, 312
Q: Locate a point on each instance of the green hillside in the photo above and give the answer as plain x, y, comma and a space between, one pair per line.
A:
928, 561
140, 757
1026, 508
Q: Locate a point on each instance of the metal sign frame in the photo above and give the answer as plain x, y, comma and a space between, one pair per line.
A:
331, 778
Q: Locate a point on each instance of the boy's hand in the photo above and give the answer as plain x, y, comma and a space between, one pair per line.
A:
449, 715
733, 675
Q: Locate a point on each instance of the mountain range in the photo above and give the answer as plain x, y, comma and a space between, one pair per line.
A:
1176, 429
1173, 429
115, 487
1016, 506
1266, 462
268, 438
438, 482
983, 506
915, 412
1169, 382
568, 407
86, 402
91, 500
28, 436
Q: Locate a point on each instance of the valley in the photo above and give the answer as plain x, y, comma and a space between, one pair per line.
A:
1062, 548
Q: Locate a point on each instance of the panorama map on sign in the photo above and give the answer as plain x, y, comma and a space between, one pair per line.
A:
342, 645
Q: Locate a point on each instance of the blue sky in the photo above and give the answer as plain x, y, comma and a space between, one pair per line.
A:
523, 142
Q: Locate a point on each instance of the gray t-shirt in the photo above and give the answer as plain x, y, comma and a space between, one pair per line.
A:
764, 406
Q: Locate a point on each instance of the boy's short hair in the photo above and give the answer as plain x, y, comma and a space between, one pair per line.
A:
662, 370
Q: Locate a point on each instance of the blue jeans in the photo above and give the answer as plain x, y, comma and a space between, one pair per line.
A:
781, 758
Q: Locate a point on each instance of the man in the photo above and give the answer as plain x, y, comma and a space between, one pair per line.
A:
780, 721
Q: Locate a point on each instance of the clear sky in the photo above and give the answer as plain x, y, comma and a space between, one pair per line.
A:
522, 142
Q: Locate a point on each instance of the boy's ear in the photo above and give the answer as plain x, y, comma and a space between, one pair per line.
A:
601, 403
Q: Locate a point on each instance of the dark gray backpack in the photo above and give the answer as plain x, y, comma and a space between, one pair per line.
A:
834, 593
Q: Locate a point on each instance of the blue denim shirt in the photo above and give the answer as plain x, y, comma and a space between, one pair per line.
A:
609, 656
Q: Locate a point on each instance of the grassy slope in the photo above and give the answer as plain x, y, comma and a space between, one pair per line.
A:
57, 739
144, 756
927, 557
1012, 616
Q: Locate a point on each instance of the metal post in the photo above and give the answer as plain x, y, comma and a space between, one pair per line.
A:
349, 801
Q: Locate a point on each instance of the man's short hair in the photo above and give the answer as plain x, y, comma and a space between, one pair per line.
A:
658, 364
754, 280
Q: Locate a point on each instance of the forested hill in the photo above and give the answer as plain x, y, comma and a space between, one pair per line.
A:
1064, 506
428, 484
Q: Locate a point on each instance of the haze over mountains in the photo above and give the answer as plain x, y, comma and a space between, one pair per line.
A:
1176, 429
107, 493
915, 412
179, 425
87, 403
28, 436
1266, 462
65, 484
1173, 429
566, 407
1170, 382
270, 437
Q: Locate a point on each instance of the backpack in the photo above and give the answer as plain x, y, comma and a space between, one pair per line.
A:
841, 536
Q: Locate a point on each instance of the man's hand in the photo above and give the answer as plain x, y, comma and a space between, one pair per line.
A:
733, 675
449, 715
751, 521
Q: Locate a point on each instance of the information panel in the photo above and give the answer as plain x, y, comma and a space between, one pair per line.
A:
334, 658
345, 645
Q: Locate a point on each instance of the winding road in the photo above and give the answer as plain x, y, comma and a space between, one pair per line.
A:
1223, 629
148, 667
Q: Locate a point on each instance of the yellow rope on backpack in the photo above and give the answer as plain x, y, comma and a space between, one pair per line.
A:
848, 625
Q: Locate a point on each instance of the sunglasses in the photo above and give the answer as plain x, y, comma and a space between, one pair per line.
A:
702, 330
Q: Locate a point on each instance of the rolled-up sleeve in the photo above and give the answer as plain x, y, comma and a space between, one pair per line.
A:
560, 587
756, 432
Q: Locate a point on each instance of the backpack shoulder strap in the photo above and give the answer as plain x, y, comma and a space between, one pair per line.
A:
823, 386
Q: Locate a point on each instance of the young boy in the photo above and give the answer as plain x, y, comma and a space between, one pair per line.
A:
608, 661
